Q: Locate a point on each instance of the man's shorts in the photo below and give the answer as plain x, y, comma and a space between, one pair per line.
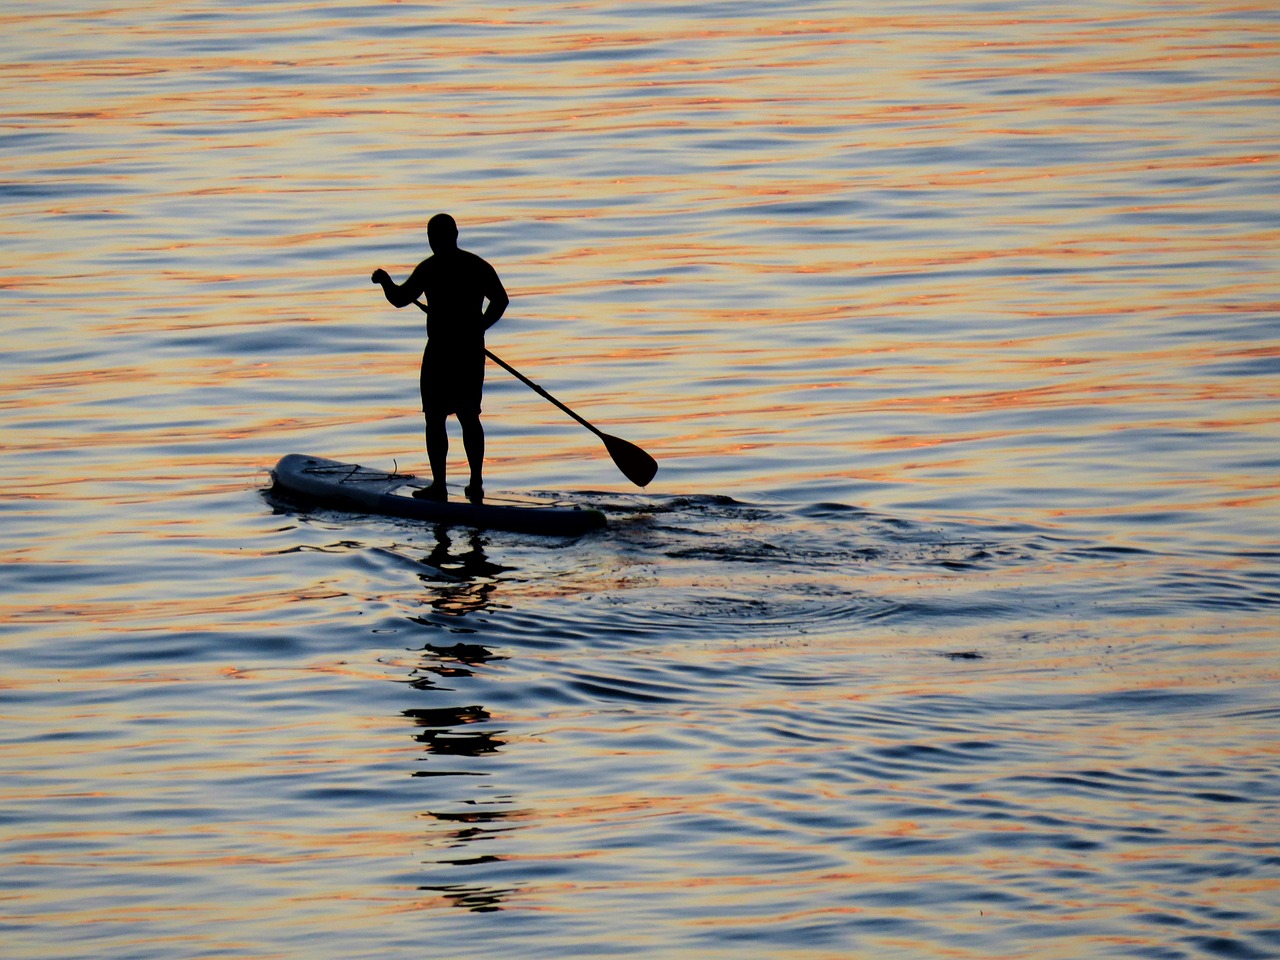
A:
450, 384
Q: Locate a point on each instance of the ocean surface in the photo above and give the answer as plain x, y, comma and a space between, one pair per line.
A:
950, 626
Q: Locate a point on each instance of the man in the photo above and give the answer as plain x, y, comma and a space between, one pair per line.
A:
456, 285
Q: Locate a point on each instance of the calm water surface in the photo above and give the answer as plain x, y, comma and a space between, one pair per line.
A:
948, 628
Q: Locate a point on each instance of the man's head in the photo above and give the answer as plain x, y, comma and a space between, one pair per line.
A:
442, 233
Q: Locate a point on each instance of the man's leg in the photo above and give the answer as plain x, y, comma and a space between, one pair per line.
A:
473, 442
438, 455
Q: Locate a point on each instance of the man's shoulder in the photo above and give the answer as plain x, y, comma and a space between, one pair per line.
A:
474, 259
456, 266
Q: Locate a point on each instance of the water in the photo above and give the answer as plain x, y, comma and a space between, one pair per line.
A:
948, 627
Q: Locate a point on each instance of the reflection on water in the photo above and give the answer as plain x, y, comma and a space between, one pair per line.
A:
476, 899
877, 727
450, 742
947, 629
471, 574
461, 584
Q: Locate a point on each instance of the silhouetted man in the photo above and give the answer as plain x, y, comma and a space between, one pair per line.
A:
456, 285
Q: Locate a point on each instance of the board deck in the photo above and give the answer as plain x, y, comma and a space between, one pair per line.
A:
351, 487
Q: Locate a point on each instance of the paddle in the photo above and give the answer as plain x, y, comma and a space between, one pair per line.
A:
636, 465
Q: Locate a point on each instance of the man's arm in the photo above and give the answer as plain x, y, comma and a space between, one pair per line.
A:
400, 294
496, 294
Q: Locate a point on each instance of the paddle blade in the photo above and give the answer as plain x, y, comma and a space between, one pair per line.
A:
635, 464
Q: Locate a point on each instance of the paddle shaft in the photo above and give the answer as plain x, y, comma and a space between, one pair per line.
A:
638, 466
538, 390
529, 383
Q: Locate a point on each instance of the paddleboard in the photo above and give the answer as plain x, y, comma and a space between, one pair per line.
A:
351, 487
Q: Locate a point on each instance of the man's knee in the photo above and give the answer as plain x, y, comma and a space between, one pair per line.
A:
436, 429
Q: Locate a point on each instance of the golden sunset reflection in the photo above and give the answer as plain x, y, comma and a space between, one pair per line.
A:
946, 627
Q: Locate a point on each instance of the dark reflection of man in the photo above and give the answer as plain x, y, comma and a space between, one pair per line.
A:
458, 740
472, 575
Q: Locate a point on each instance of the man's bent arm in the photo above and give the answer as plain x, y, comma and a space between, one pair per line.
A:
496, 294
398, 295
497, 306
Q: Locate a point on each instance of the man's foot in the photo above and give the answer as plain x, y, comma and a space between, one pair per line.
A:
474, 491
437, 492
